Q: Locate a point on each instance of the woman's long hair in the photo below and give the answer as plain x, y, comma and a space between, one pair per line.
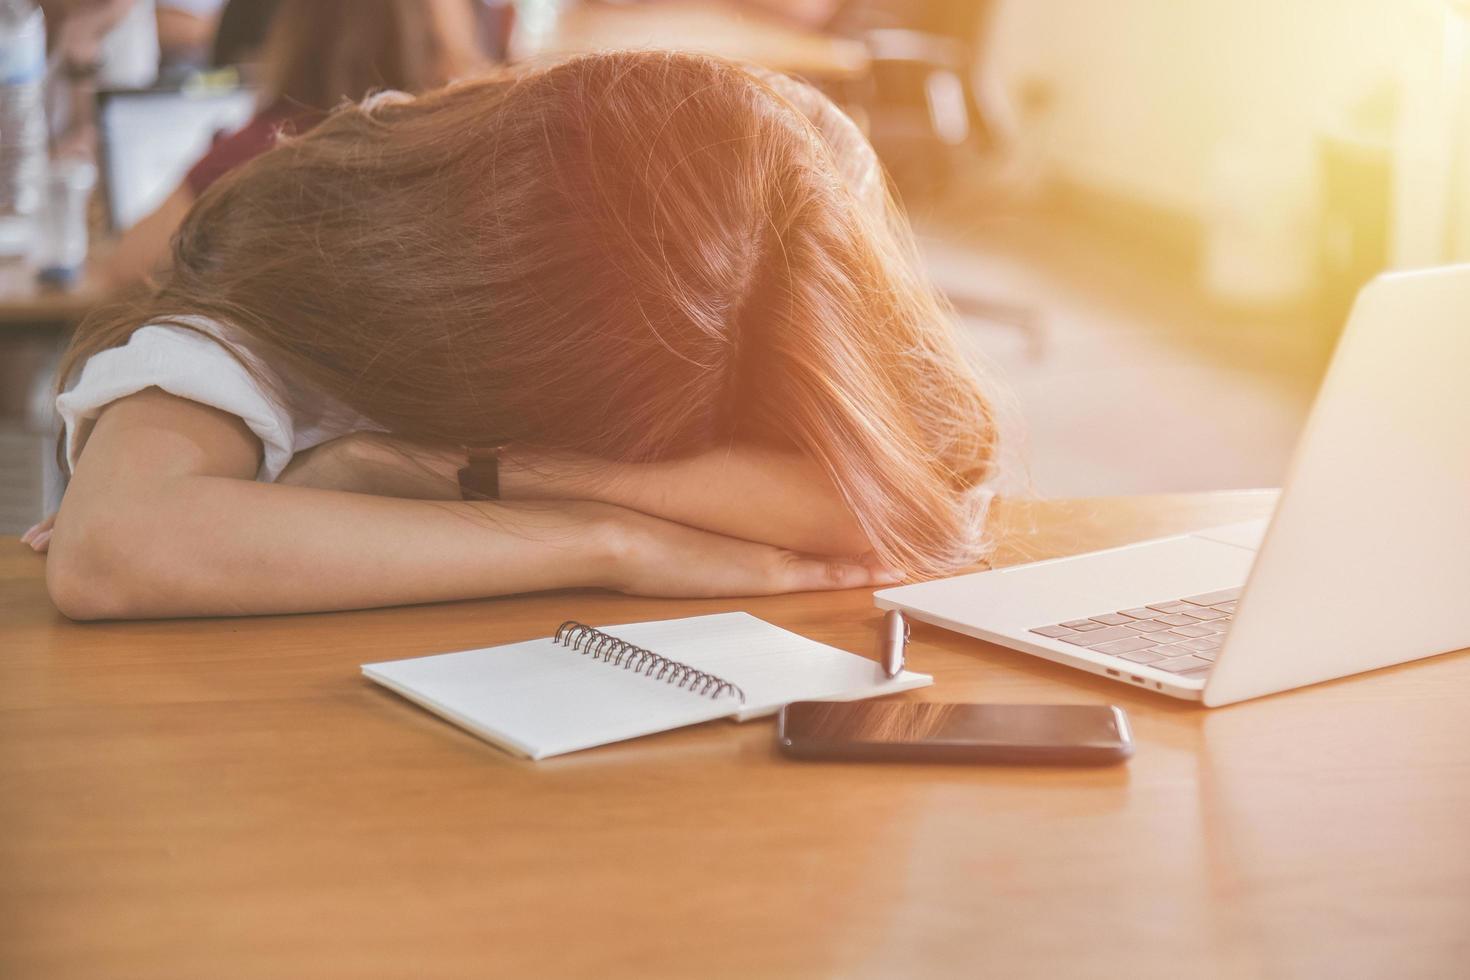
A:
318, 53
636, 256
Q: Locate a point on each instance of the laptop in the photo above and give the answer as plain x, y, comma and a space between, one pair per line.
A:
1364, 563
151, 137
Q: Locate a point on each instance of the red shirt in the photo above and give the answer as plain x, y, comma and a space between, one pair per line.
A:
248, 142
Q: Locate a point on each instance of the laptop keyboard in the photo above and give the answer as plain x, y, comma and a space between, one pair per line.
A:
1181, 636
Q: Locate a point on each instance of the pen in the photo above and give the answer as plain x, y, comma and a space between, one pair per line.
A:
895, 638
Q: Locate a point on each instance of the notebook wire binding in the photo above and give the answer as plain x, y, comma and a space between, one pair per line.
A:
620, 653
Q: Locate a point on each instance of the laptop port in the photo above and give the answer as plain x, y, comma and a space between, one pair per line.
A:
1136, 679
1112, 672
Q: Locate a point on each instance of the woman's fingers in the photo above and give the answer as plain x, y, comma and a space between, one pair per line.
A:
44, 525
658, 557
807, 574
887, 575
39, 537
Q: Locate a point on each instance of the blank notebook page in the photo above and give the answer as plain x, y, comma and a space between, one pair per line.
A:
540, 698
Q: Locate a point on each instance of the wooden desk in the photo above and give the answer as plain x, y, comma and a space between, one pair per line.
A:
230, 798
705, 26
25, 303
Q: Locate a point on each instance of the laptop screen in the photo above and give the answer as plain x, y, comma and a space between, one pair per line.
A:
150, 139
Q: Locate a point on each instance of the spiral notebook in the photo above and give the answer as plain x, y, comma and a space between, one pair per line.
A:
584, 687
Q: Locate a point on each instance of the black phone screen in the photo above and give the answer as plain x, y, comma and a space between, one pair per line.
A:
1018, 732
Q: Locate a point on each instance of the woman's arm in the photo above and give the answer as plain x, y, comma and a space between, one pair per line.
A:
741, 491
143, 247
378, 464
745, 492
162, 518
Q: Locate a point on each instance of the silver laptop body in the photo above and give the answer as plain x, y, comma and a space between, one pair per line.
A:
1364, 563
149, 138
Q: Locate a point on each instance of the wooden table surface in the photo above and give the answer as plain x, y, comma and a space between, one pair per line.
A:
26, 303
705, 26
230, 798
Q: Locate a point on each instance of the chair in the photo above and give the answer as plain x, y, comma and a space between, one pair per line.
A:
924, 114
921, 102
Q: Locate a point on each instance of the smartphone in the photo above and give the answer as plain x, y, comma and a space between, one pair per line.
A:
1027, 734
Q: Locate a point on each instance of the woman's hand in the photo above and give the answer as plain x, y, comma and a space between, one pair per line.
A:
654, 557
39, 537
377, 464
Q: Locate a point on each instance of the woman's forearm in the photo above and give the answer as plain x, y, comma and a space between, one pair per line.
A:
143, 248
163, 519
742, 491
209, 546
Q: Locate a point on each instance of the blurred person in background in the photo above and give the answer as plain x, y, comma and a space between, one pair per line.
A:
496, 21
239, 37
186, 30
94, 44
318, 54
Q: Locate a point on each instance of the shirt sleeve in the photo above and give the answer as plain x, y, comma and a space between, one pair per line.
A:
230, 150
186, 364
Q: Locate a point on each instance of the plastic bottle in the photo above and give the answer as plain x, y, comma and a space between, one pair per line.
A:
22, 122
61, 224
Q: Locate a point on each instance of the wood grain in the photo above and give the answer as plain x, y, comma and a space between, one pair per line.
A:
26, 303
229, 798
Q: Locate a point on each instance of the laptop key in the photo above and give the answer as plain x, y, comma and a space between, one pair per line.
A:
1203, 613
1111, 619
1128, 644
1178, 665
1142, 612
1147, 626
1054, 631
1214, 598
1141, 656
1101, 635
1209, 655
1175, 619
1218, 626
1169, 607
1202, 643
1225, 607
1193, 630
1082, 625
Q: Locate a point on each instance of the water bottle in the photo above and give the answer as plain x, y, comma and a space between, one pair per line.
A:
61, 223
22, 122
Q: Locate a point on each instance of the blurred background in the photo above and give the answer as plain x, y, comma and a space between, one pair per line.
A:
1150, 215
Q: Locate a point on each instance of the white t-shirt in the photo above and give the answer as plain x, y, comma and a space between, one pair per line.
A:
192, 365
129, 54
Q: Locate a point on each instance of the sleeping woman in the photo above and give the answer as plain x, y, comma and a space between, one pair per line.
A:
639, 321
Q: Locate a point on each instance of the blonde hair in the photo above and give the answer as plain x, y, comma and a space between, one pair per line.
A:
635, 256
